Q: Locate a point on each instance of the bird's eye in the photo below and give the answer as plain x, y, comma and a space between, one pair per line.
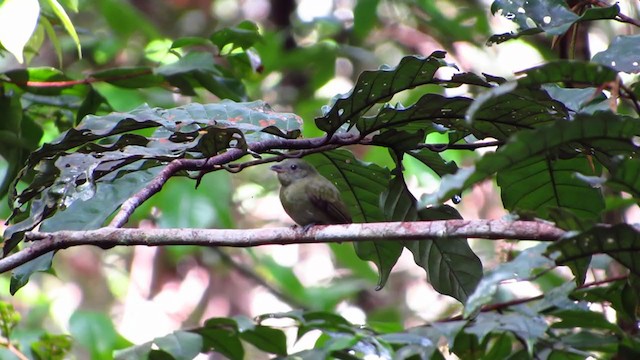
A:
294, 166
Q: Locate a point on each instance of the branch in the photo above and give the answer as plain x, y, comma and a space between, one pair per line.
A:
215, 163
395, 231
224, 161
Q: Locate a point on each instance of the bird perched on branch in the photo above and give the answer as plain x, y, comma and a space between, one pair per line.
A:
308, 197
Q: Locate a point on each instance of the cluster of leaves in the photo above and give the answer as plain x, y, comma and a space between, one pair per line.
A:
559, 145
46, 346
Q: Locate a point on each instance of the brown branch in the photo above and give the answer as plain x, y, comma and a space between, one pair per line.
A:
215, 163
395, 231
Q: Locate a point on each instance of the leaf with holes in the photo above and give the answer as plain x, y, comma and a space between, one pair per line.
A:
373, 87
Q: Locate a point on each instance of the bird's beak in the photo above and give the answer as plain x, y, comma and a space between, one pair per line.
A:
277, 168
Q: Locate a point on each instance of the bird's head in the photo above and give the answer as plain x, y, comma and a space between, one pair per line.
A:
290, 170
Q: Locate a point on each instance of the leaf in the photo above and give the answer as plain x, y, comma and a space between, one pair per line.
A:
361, 185
85, 214
452, 267
199, 68
625, 176
504, 110
221, 335
434, 161
621, 242
571, 319
551, 16
267, 339
58, 10
520, 268
181, 345
529, 328
424, 115
244, 35
540, 184
567, 71
364, 17
621, 54
602, 130
14, 35
376, 86
95, 332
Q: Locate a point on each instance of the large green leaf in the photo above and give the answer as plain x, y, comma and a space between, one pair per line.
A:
452, 267
528, 327
551, 16
621, 54
373, 87
621, 242
96, 333
540, 183
361, 185
603, 131
625, 176
221, 335
244, 35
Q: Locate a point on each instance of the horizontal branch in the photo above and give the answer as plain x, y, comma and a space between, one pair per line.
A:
396, 231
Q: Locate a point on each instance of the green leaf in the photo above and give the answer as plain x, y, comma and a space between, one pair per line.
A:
20, 275
373, 87
434, 161
267, 339
621, 242
137, 352
222, 335
551, 16
199, 69
520, 268
96, 333
365, 17
601, 131
14, 35
58, 10
625, 176
571, 319
504, 110
568, 71
361, 185
540, 184
181, 345
244, 35
529, 328
452, 267
621, 54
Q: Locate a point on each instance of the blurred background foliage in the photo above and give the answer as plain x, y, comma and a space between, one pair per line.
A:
298, 55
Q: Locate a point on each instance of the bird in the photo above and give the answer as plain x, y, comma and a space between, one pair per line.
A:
308, 197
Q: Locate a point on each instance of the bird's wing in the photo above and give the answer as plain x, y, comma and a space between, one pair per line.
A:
326, 197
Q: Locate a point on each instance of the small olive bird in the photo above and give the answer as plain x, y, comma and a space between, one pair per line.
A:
308, 197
